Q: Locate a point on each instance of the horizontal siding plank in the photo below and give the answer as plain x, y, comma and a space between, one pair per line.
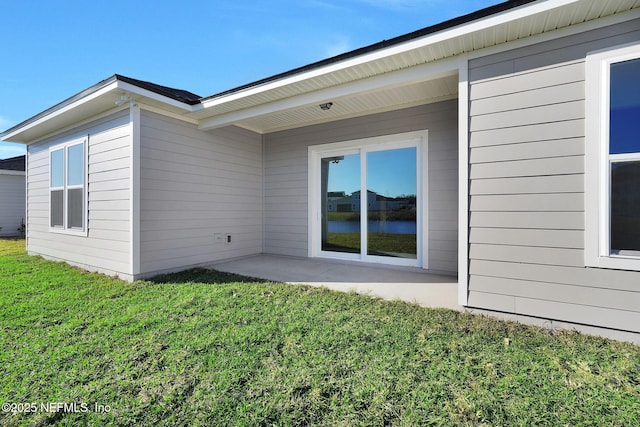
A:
570, 239
110, 205
533, 167
524, 254
571, 294
531, 150
533, 220
228, 172
109, 215
99, 224
167, 216
82, 247
604, 317
154, 178
504, 303
563, 202
540, 78
110, 134
115, 144
109, 185
119, 236
111, 160
40, 248
151, 230
580, 276
531, 133
545, 114
528, 185
573, 91
109, 195
109, 176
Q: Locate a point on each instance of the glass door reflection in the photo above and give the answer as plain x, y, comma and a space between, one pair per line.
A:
340, 204
392, 203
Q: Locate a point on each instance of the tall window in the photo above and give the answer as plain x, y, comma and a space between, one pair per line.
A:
67, 186
624, 156
613, 158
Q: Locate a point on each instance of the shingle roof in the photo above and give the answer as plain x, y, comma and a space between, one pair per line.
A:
177, 94
13, 163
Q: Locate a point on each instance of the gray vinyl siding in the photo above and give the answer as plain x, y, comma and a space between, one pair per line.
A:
193, 185
106, 248
12, 202
526, 237
286, 176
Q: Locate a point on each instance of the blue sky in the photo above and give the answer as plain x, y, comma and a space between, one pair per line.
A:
52, 50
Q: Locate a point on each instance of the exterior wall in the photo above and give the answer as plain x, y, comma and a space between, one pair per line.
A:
12, 202
106, 248
286, 176
527, 130
195, 185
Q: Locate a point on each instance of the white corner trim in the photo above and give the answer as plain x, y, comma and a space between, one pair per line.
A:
463, 180
134, 196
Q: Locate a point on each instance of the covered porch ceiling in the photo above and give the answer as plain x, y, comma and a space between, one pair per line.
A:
342, 106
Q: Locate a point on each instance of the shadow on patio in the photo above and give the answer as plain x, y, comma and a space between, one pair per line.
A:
388, 282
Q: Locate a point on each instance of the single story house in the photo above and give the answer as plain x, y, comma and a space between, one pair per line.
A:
12, 196
516, 127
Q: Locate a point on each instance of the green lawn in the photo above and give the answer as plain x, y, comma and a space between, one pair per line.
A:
378, 243
211, 349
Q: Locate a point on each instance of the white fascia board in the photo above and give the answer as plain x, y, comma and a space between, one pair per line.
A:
114, 86
464, 29
62, 110
424, 72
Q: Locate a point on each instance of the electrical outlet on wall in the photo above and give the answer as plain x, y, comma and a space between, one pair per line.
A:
227, 238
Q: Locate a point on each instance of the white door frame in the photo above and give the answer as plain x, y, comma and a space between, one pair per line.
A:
419, 140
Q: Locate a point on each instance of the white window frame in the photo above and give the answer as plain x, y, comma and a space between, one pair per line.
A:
65, 229
419, 140
598, 160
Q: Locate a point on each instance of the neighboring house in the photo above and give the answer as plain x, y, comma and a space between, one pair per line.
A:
338, 202
12, 196
523, 118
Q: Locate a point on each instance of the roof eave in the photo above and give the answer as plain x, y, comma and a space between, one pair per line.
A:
115, 85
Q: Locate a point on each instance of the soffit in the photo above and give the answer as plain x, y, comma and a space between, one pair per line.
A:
352, 106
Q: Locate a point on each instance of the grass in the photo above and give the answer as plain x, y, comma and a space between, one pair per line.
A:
206, 348
378, 243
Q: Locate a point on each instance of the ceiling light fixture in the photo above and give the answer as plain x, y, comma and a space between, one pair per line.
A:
326, 106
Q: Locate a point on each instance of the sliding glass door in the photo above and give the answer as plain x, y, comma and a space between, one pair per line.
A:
371, 203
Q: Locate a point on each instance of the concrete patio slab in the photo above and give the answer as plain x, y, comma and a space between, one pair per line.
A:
388, 282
